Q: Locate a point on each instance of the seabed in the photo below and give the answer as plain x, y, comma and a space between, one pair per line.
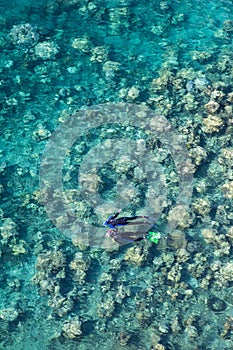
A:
89, 93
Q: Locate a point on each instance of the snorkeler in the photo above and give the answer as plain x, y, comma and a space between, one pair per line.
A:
129, 237
113, 221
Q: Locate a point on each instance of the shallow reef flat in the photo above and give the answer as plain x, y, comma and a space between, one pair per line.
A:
173, 58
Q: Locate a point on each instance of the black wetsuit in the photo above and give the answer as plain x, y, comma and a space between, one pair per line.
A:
113, 222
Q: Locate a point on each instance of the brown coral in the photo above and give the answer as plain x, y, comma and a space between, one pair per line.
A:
212, 124
212, 106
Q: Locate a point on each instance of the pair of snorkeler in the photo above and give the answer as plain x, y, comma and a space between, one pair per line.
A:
128, 237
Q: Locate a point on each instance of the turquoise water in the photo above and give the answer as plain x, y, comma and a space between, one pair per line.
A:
129, 62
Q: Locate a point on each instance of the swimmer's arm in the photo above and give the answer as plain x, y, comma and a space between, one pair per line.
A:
115, 215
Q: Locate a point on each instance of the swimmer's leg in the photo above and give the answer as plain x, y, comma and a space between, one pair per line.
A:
129, 218
138, 222
133, 236
124, 240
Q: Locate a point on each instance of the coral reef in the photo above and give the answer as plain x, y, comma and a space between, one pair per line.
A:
212, 124
66, 55
24, 35
136, 255
72, 328
46, 50
80, 266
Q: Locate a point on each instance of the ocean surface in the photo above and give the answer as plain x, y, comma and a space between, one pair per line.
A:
110, 107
